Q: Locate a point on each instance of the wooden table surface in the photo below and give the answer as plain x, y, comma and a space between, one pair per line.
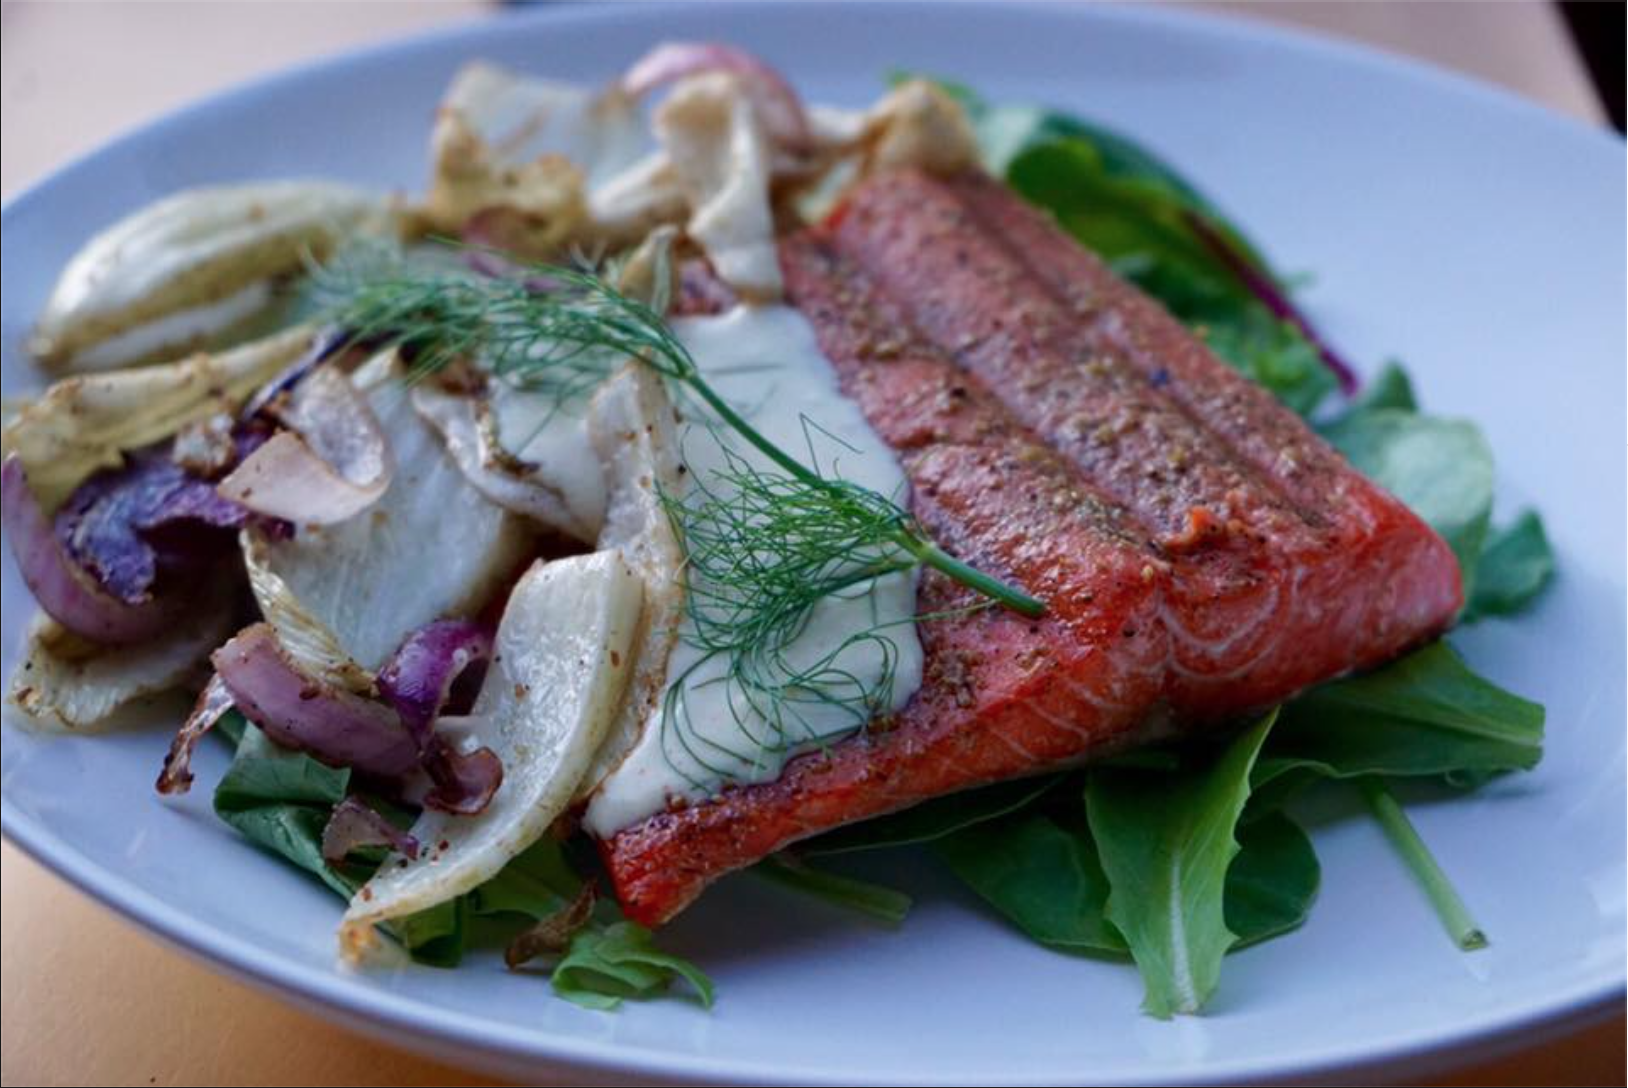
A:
87, 998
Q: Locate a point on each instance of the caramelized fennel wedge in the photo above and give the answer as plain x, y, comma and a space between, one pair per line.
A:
558, 673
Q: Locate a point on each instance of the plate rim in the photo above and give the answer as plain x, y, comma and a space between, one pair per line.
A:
460, 1037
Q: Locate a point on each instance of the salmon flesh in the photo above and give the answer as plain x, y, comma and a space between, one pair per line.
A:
1202, 553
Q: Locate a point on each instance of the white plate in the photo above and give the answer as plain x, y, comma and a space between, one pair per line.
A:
1473, 235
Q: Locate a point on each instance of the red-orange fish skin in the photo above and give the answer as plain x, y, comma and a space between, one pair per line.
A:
1201, 551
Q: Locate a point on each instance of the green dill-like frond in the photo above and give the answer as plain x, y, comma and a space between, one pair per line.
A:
550, 329
763, 551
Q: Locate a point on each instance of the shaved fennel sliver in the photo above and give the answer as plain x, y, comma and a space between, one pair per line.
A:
558, 673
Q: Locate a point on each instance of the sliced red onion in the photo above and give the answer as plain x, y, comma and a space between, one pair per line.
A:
66, 592
354, 825
418, 678
111, 522
213, 702
465, 782
333, 725
777, 104
1258, 283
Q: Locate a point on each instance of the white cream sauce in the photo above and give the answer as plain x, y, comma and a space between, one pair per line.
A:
539, 430
766, 362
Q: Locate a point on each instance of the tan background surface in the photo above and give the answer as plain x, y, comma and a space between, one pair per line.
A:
88, 998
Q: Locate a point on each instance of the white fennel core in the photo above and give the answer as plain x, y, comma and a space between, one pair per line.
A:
176, 331
766, 362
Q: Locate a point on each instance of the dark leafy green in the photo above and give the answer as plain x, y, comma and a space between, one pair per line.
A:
1043, 870
605, 965
1273, 880
281, 799
881, 903
536, 883
1390, 388
1166, 841
1426, 714
1442, 468
1516, 565
930, 820
1045, 878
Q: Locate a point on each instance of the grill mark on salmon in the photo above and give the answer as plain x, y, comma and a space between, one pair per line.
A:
1185, 597
1117, 318
1254, 510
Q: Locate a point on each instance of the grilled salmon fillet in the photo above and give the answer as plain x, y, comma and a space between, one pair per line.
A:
1201, 551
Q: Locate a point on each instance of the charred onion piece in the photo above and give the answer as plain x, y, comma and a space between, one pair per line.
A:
354, 825
335, 726
68, 593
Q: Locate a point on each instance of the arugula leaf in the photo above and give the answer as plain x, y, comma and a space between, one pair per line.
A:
280, 800
1166, 842
1390, 388
882, 903
930, 820
1045, 874
436, 936
263, 771
1426, 714
603, 966
294, 833
1441, 468
1516, 565
1272, 882
1046, 879
535, 883
609, 960
1004, 131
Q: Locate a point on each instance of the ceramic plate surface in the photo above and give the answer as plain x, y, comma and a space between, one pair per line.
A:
1475, 236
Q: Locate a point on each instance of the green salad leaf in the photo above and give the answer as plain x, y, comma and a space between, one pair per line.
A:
1390, 388
1272, 882
932, 819
1045, 877
790, 871
1516, 565
535, 884
1042, 870
1426, 714
280, 800
1166, 841
605, 965
1441, 468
